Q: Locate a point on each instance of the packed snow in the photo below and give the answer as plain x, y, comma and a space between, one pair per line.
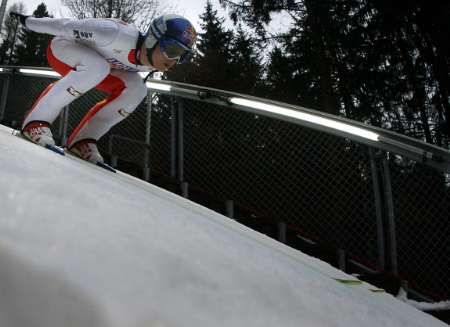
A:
81, 246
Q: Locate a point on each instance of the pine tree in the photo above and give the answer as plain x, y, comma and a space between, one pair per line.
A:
382, 62
9, 35
245, 63
280, 80
309, 38
213, 61
32, 48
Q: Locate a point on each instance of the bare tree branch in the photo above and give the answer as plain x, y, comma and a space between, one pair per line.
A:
225, 2
139, 12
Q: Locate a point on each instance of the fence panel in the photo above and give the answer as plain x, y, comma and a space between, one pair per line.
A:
292, 174
421, 208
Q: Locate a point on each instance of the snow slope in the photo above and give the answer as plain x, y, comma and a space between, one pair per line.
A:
80, 246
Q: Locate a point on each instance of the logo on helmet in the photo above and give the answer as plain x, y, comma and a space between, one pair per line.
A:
189, 36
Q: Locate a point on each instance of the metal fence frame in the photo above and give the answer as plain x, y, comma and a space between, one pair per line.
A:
381, 143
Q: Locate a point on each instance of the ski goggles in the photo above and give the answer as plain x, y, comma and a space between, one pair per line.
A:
174, 49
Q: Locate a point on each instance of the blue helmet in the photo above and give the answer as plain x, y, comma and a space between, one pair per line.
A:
175, 35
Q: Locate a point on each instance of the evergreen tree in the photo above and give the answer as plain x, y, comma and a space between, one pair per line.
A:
245, 64
9, 35
309, 38
223, 60
280, 80
210, 65
213, 63
382, 62
32, 48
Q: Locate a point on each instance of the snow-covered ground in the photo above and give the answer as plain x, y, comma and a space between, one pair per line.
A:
80, 246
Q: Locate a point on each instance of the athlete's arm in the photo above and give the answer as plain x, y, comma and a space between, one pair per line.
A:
92, 30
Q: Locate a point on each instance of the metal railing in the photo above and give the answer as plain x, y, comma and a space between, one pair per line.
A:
381, 197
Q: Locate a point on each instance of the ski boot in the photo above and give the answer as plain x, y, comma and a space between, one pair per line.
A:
87, 149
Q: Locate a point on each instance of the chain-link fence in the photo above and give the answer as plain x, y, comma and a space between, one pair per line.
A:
421, 199
381, 207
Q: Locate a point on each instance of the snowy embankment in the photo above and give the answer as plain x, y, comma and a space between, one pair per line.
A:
80, 246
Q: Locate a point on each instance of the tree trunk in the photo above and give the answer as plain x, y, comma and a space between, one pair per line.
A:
432, 50
328, 99
413, 71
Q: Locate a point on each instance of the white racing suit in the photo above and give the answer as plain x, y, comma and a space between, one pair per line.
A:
90, 53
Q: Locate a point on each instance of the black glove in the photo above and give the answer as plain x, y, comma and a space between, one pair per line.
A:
18, 16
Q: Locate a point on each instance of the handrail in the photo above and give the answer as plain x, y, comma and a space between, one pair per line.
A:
376, 137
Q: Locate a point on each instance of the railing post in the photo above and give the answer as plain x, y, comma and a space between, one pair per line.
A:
177, 145
110, 149
173, 139
282, 232
390, 217
184, 189
180, 142
114, 160
378, 209
148, 124
63, 125
5, 90
342, 259
229, 208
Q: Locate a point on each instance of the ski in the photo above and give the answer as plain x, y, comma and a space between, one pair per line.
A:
53, 148
98, 163
106, 166
56, 149
62, 151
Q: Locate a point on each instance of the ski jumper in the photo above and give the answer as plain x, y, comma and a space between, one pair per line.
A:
88, 53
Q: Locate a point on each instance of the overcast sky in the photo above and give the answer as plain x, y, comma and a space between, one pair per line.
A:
191, 9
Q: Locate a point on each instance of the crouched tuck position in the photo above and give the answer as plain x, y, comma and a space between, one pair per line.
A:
106, 54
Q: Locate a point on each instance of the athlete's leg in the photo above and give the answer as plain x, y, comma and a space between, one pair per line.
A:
127, 90
82, 68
